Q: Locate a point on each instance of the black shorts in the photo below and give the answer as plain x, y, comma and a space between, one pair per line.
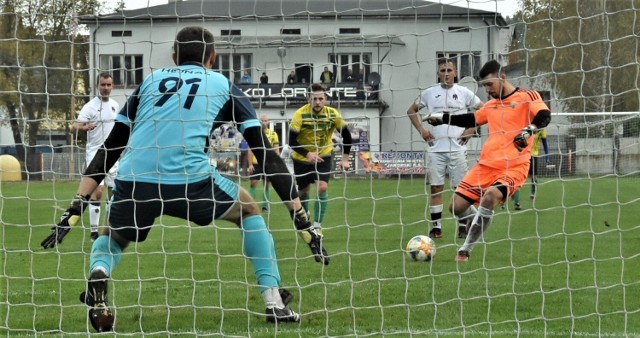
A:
258, 173
308, 173
135, 205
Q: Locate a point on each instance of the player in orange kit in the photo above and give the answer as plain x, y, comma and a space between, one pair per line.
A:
513, 115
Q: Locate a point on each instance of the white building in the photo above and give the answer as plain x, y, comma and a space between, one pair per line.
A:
394, 43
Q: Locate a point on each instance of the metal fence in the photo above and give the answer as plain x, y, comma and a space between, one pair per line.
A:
567, 155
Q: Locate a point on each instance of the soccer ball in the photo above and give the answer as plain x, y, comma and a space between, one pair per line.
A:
421, 248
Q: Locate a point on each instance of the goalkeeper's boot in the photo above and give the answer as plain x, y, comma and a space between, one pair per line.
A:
310, 235
95, 297
286, 296
282, 315
314, 238
435, 233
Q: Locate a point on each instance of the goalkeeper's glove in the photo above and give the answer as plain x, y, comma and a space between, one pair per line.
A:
520, 141
437, 119
310, 235
69, 218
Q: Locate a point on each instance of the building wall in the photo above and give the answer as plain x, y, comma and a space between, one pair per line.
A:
405, 70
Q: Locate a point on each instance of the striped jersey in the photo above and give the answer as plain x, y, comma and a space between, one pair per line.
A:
315, 130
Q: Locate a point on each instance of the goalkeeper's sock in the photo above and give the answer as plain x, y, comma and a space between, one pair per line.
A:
480, 224
271, 297
252, 192
94, 214
533, 189
321, 207
259, 248
436, 215
105, 254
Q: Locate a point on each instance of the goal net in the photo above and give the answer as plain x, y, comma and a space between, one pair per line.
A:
565, 262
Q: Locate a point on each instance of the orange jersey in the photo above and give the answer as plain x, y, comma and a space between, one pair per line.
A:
506, 118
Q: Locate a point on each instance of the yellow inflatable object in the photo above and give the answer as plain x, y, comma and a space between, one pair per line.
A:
9, 169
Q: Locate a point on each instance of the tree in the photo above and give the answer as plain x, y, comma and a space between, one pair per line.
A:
43, 67
586, 50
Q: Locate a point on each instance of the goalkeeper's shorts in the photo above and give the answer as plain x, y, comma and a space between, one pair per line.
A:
135, 206
481, 177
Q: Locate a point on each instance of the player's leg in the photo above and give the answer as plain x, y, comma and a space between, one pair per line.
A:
106, 251
482, 220
109, 182
94, 201
435, 210
94, 210
503, 185
437, 172
265, 194
458, 168
516, 200
253, 184
322, 202
305, 175
257, 242
532, 174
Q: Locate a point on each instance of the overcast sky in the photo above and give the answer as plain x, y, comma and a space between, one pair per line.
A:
506, 7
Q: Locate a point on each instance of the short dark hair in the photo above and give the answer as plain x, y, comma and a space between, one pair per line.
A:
443, 61
491, 67
316, 87
193, 44
103, 75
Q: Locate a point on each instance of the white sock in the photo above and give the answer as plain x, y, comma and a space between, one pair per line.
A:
436, 220
317, 225
480, 224
94, 216
271, 297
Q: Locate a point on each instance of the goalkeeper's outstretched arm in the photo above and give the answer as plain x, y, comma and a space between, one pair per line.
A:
104, 159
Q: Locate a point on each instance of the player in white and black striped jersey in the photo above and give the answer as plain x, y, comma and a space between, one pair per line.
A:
447, 143
97, 118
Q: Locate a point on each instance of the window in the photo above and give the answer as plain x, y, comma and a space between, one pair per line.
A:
121, 33
290, 31
233, 65
125, 69
228, 32
457, 29
468, 63
359, 64
349, 30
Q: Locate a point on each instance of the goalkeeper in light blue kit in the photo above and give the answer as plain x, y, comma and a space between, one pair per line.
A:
164, 128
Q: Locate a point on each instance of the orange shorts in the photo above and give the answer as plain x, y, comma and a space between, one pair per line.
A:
481, 177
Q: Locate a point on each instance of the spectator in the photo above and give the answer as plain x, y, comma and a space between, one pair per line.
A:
349, 77
264, 79
97, 118
246, 78
327, 76
292, 78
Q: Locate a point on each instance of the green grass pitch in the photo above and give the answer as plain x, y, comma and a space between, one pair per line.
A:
553, 269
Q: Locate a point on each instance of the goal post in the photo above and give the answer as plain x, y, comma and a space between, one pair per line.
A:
566, 264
